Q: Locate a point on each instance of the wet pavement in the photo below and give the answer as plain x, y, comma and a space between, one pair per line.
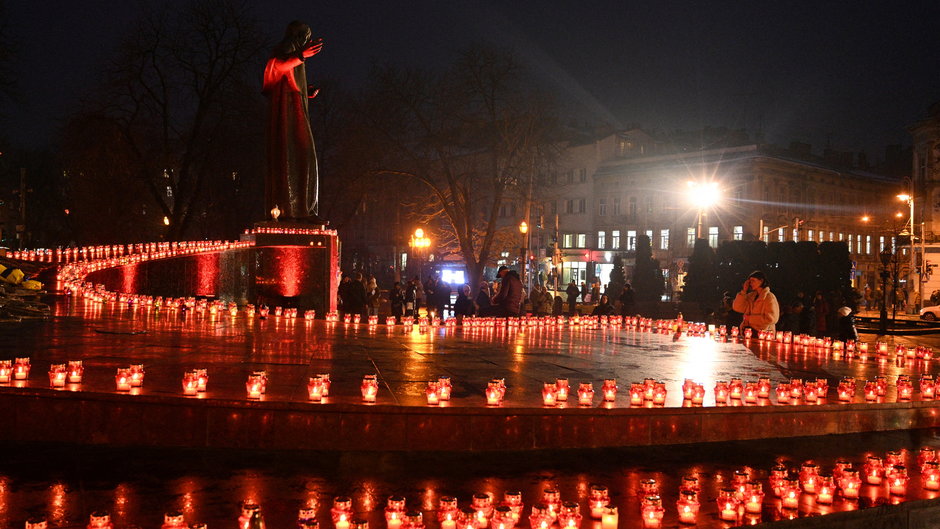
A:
66, 483
170, 342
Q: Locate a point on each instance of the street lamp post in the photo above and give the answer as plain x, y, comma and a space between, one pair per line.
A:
524, 261
909, 199
419, 244
885, 257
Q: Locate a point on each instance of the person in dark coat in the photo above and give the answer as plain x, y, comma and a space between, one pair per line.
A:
342, 293
627, 301
603, 308
483, 298
356, 294
508, 301
396, 297
573, 292
464, 304
847, 330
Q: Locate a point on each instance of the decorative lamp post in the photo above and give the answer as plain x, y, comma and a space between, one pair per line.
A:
909, 199
524, 254
885, 257
275, 212
419, 245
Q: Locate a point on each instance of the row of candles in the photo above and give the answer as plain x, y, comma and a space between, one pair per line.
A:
650, 391
89, 253
289, 231
742, 497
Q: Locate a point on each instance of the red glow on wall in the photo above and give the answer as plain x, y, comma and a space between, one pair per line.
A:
290, 269
207, 274
129, 276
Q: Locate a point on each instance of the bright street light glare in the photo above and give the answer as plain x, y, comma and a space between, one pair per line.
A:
705, 195
904, 197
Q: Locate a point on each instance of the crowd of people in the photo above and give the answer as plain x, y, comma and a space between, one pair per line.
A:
505, 297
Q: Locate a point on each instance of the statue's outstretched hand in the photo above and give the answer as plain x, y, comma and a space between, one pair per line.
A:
313, 48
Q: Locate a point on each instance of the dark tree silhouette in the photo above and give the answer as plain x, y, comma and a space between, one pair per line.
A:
647, 277
701, 281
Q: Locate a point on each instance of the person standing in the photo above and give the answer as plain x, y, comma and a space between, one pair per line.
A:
508, 300
396, 298
483, 298
573, 293
757, 304
627, 301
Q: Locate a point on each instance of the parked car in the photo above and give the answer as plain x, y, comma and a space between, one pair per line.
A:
931, 313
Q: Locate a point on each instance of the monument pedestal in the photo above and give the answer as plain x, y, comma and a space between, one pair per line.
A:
294, 265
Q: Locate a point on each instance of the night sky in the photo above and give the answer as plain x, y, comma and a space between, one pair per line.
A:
855, 73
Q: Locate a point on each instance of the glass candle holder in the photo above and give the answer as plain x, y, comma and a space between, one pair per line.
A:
21, 369
688, 507
652, 511
825, 490
585, 394
137, 375
76, 371
446, 387
549, 394
930, 475
599, 498
791, 495
190, 383
122, 379
728, 505
609, 390
541, 517
897, 482
315, 389
569, 517
874, 470
809, 477
754, 498
57, 375
254, 386
563, 389
850, 483
369, 389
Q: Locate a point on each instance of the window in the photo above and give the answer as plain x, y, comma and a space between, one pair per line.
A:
809, 235
830, 236
850, 242
602, 207
569, 206
713, 236
842, 237
502, 210
858, 244
581, 204
615, 240
649, 204
881, 243
631, 240
568, 240
766, 234
554, 208
512, 210
631, 211
796, 235
868, 244
582, 240
663, 239
601, 240
649, 235
569, 176
582, 175
690, 237
780, 235
738, 233
616, 206
169, 191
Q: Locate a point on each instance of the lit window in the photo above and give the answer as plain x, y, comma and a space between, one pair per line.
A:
809, 235
713, 236
842, 237
169, 191
582, 240
649, 235
796, 234
738, 233
780, 235
615, 240
690, 237
850, 242
569, 238
601, 240
663, 239
766, 234
831, 234
631, 240
868, 244
881, 243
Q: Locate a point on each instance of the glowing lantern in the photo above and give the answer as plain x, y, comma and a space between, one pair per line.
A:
931, 475
728, 505
190, 383
897, 483
599, 498
254, 386
76, 370
445, 386
874, 470
825, 489
850, 483
315, 389
609, 390
563, 389
57, 375
688, 506
369, 388
21, 369
433, 393
652, 511
549, 394
122, 379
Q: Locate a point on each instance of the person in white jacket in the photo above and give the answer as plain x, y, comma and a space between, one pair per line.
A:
757, 303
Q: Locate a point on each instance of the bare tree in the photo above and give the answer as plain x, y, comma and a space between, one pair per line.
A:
474, 136
179, 96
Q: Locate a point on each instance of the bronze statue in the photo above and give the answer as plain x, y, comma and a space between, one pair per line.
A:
291, 183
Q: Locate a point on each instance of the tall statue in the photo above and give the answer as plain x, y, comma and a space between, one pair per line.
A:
291, 181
